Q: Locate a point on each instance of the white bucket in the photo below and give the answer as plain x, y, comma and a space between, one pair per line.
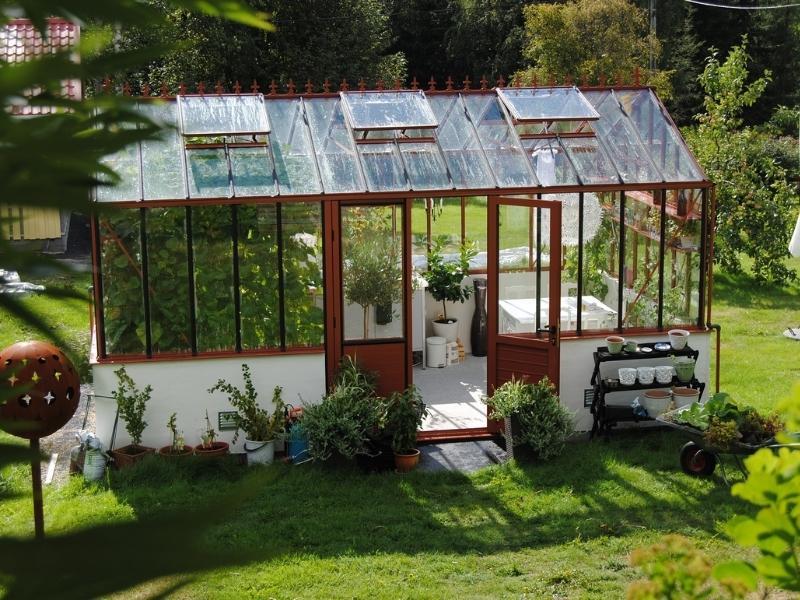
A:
94, 465
259, 453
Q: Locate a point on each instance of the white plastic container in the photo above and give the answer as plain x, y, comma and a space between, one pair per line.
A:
452, 353
259, 453
678, 338
645, 375
664, 373
94, 465
627, 376
436, 351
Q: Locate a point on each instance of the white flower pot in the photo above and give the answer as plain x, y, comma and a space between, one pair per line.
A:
449, 331
259, 453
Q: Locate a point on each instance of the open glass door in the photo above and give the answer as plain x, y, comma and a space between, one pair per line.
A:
524, 302
368, 270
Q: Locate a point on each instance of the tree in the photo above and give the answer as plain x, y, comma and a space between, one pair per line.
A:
754, 196
335, 40
592, 38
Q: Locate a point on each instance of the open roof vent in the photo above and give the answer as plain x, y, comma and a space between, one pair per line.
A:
381, 110
536, 105
223, 115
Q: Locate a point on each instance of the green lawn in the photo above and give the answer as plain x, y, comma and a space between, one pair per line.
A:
562, 529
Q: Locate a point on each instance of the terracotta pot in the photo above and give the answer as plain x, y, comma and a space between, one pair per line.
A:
167, 452
129, 455
216, 450
685, 396
406, 461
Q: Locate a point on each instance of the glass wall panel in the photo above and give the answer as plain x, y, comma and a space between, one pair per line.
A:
259, 277
125, 163
599, 304
304, 300
459, 142
212, 242
208, 173
333, 143
682, 258
291, 148
446, 224
162, 163
252, 172
476, 226
167, 268
642, 261
544, 104
123, 297
505, 154
382, 167
372, 271
420, 219
425, 166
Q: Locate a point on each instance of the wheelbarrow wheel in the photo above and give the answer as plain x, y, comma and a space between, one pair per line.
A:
696, 461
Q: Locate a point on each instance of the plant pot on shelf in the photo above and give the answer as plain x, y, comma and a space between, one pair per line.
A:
684, 368
169, 452
213, 450
129, 455
407, 460
446, 328
259, 453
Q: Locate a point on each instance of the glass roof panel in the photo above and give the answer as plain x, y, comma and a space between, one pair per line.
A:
661, 139
252, 171
125, 163
333, 143
459, 142
505, 154
223, 115
208, 173
162, 163
590, 160
406, 109
292, 149
425, 166
550, 162
382, 167
547, 104
622, 141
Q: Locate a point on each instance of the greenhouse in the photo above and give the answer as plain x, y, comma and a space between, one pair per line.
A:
290, 231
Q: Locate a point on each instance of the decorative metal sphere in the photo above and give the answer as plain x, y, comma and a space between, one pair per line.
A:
48, 385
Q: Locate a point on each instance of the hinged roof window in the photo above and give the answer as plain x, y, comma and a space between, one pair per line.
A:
407, 109
528, 105
223, 115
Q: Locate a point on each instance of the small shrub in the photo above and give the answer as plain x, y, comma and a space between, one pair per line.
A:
404, 414
131, 403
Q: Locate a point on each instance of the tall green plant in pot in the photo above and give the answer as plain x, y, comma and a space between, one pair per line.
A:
445, 283
131, 404
405, 412
177, 446
260, 427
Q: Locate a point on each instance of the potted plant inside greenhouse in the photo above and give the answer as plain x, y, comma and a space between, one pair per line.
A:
405, 412
373, 275
177, 447
131, 403
259, 426
445, 283
210, 447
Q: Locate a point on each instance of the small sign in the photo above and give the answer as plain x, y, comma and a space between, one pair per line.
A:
226, 420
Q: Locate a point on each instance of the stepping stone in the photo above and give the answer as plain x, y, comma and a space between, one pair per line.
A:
464, 457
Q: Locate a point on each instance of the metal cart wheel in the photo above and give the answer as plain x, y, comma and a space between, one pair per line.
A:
696, 461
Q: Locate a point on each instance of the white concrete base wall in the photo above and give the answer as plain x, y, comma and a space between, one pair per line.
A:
182, 387
577, 365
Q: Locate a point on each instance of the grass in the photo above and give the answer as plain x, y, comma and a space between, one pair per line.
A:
563, 529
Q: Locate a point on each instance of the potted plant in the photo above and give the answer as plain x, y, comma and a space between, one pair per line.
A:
177, 447
131, 403
445, 280
404, 414
260, 428
534, 415
210, 447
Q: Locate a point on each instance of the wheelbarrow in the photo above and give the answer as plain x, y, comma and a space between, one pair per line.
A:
700, 460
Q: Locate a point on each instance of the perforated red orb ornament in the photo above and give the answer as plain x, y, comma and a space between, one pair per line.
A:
49, 389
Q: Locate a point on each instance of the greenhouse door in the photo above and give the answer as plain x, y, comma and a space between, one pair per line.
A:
367, 270
524, 300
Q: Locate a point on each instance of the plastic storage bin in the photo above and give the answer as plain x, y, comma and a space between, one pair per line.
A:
437, 351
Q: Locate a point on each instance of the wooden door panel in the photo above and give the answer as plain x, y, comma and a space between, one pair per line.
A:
387, 360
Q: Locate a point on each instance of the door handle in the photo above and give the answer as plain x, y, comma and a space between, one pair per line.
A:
552, 333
